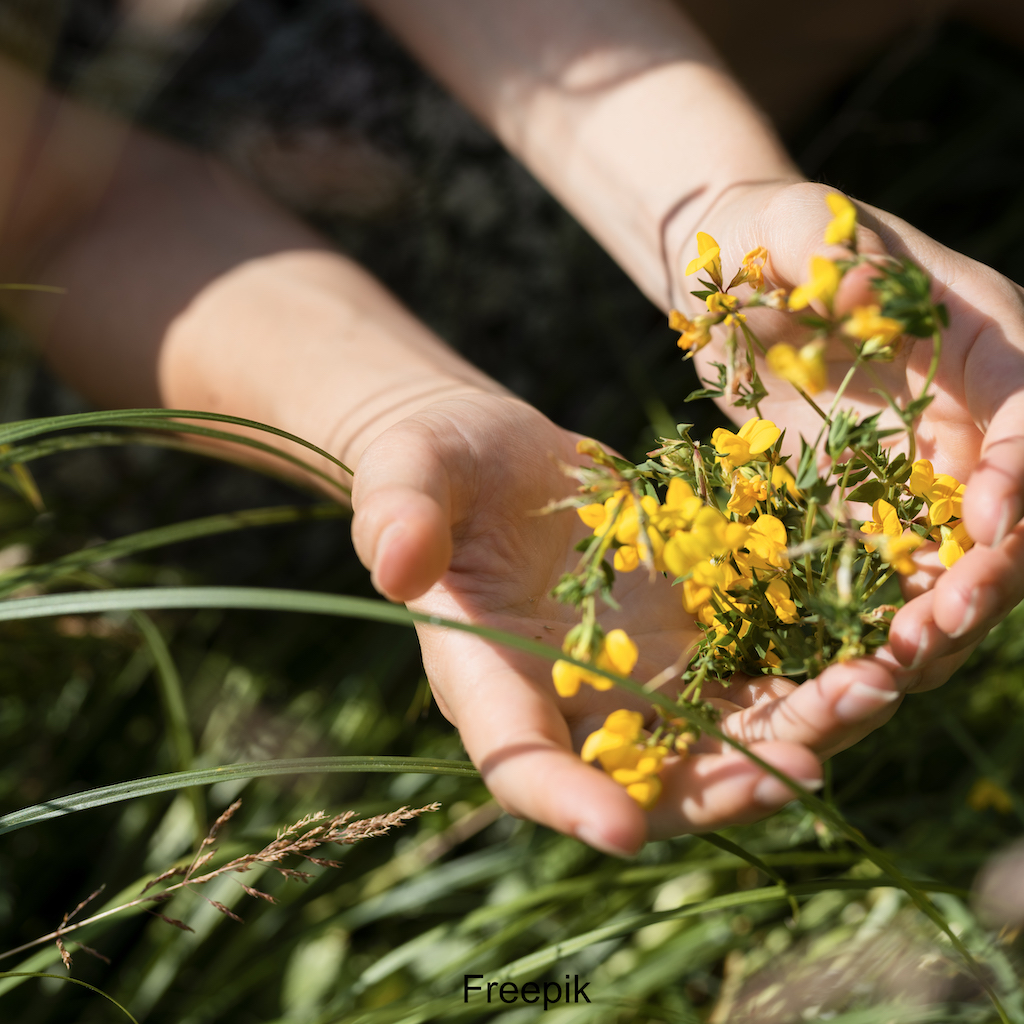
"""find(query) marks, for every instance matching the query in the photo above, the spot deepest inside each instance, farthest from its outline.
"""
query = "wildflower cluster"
(774, 556)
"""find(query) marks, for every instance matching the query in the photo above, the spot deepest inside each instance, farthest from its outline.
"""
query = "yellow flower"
(987, 793)
(626, 559)
(823, 285)
(751, 269)
(617, 654)
(878, 333)
(629, 762)
(898, 551)
(719, 303)
(943, 492)
(780, 599)
(620, 729)
(746, 493)
(709, 258)
(805, 368)
(781, 477)
(680, 508)
(954, 542)
(767, 539)
(755, 437)
(842, 229)
(885, 520)
(711, 536)
(600, 517)
(695, 334)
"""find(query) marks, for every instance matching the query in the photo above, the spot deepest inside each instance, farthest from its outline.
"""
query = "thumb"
(401, 501)
(791, 226)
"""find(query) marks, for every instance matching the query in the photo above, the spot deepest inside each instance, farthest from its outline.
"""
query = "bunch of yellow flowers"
(772, 561)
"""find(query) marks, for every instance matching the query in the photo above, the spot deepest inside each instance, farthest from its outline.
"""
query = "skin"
(187, 288)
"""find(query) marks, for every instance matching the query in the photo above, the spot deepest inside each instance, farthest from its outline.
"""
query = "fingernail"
(386, 538)
(773, 792)
(923, 643)
(971, 614)
(585, 834)
(860, 701)
(1009, 516)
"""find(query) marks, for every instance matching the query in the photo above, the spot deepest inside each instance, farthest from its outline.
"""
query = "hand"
(973, 430)
(443, 518)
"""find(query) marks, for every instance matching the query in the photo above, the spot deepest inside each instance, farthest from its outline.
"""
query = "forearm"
(618, 106)
(188, 289)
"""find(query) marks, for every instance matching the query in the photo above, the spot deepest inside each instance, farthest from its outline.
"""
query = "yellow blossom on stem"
(755, 437)
(943, 492)
(719, 303)
(842, 229)
(709, 258)
(746, 493)
(618, 654)
(781, 477)
(822, 285)
(781, 601)
(878, 333)
(804, 368)
(899, 551)
(767, 539)
(600, 516)
(751, 269)
(630, 763)
(954, 542)
(711, 536)
(885, 520)
(680, 508)
(694, 334)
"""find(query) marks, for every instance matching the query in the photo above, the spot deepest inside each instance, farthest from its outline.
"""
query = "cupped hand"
(445, 518)
(973, 430)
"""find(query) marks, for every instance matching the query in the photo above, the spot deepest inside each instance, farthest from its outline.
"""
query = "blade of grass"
(74, 981)
(120, 791)
(161, 536)
(168, 419)
(172, 699)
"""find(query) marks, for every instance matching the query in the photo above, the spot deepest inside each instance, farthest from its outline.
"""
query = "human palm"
(458, 487)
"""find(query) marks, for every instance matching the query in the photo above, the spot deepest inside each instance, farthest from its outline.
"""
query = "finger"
(837, 707)
(993, 502)
(710, 791)
(967, 600)
(514, 732)
(401, 524)
(793, 225)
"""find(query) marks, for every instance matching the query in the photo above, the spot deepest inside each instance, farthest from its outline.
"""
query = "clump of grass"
(300, 839)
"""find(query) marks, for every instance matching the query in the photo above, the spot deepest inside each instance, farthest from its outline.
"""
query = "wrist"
(309, 342)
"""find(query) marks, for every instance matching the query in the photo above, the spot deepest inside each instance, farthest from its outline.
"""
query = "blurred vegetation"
(473, 245)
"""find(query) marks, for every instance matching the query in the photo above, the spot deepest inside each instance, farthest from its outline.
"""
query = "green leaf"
(807, 467)
(869, 492)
